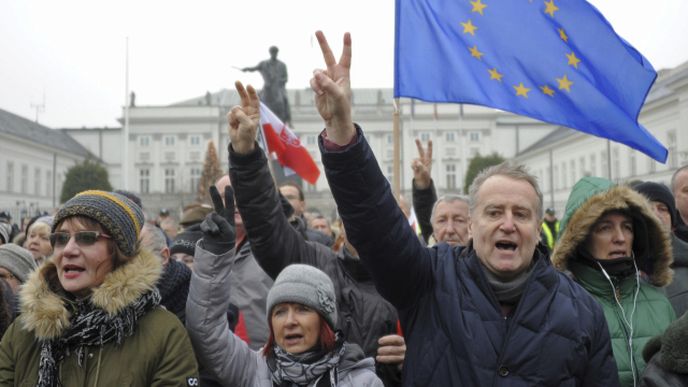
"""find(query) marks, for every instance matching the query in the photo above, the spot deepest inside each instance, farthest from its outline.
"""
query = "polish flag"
(283, 142)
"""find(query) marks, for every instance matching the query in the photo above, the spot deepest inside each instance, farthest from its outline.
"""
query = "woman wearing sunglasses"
(91, 314)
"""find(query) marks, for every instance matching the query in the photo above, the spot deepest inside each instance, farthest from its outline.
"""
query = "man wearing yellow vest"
(550, 229)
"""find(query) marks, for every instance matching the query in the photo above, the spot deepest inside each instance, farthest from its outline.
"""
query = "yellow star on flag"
(546, 90)
(564, 83)
(478, 6)
(521, 90)
(475, 53)
(469, 28)
(494, 74)
(573, 61)
(550, 8)
(563, 35)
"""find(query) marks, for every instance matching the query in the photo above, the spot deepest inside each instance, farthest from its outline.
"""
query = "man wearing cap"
(550, 228)
(662, 202)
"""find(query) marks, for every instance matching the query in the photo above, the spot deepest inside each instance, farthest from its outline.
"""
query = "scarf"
(508, 291)
(305, 368)
(91, 326)
(618, 267)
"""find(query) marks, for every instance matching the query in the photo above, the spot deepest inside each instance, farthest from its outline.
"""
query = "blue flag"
(558, 61)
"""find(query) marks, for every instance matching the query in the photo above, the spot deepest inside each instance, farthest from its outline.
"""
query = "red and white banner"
(282, 142)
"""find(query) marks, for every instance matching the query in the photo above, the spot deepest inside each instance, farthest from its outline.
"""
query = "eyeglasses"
(82, 238)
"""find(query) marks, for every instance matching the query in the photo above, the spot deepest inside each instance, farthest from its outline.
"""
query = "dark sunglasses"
(82, 238)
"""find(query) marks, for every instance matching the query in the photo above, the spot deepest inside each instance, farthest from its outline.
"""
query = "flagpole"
(125, 132)
(396, 172)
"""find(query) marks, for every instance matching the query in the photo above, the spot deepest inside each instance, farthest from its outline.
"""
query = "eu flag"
(558, 61)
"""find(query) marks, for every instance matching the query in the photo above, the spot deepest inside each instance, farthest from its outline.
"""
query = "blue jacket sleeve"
(401, 267)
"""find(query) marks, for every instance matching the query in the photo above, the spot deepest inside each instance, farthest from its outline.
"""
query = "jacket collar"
(45, 304)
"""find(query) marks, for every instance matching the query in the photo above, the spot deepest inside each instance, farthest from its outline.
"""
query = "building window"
(581, 167)
(425, 137)
(59, 182)
(389, 139)
(311, 139)
(144, 140)
(24, 178)
(37, 181)
(390, 173)
(169, 180)
(616, 164)
(633, 163)
(450, 136)
(451, 176)
(10, 176)
(671, 147)
(555, 181)
(168, 140)
(564, 176)
(651, 165)
(195, 179)
(389, 154)
(573, 172)
(195, 140)
(474, 136)
(593, 165)
(144, 181)
(48, 183)
(604, 164)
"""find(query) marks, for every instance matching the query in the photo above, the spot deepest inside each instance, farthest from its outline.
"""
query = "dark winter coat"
(677, 290)
(667, 357)
(650, 312)
(364, 316)
(456, 334)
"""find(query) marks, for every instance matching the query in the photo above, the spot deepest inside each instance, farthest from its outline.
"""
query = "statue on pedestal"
(274, 92)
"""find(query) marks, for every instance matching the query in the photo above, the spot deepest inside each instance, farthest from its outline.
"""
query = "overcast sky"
(73, 51)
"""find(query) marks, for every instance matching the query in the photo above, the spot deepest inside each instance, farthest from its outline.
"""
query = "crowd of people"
(492, 290)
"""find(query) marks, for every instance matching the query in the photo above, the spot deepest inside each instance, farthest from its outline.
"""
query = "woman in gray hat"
(90, 315)
(302, 349)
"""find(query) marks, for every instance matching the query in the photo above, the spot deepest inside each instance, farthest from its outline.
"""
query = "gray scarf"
(305, 368)
(508, 291)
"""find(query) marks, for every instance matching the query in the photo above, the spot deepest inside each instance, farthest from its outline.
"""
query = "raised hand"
(422, 166)
(218, 226)
(333, 91)
(244, 120)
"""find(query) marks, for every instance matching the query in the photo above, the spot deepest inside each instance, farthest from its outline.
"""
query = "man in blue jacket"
(495, 313)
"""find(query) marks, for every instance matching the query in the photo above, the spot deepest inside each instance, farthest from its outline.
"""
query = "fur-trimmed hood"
(44, 303)
(590, 198)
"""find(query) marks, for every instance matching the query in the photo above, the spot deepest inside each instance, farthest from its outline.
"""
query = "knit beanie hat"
(185, 242)
(17, 260)
(656, 192)
(305, 285)
(121, 218)
(45, 219)
(5, 231)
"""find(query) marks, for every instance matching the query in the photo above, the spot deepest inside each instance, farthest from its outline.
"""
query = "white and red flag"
(282, 142)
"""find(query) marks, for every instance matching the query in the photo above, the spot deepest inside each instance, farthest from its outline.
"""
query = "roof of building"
(229, 97)
(660, 89)
(17, 126)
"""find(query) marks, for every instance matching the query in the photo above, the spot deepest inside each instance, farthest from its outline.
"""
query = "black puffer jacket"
(364, 316)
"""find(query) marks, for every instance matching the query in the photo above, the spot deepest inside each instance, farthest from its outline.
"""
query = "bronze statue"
(274, 92)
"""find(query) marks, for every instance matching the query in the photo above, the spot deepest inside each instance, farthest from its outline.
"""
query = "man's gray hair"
(153, 239)
(515, 172)
(448, 198)
(673, 178)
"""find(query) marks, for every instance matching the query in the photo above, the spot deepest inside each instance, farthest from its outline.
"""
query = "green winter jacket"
(159, 353)
(590, 198)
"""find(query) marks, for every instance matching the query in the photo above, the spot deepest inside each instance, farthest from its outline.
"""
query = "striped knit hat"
(121, 218)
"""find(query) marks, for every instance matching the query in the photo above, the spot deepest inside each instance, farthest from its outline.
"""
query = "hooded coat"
(651, 313)
(159, 353)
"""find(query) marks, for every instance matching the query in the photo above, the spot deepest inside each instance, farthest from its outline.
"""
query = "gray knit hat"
(121, 218)
(17, 260)
(306, 285)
